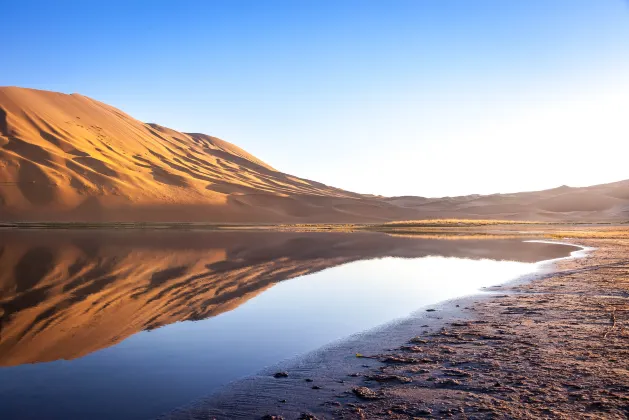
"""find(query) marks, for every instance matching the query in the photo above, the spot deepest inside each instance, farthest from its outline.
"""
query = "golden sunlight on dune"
(71, 158)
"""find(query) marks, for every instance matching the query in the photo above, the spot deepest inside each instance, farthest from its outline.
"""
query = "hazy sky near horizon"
(391, 97)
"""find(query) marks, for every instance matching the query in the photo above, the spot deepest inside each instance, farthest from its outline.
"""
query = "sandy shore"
(552, 347)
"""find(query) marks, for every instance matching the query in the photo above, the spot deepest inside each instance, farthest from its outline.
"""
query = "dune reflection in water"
(111, 303)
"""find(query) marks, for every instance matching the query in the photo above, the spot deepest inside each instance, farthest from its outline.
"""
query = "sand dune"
(71, 158)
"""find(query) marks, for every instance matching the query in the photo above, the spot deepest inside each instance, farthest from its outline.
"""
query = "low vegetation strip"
(460, 222)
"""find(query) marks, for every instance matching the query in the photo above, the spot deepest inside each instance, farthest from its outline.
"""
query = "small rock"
(430, 310)
(447, 382)
(398, 409)
(308, 416)
(389, 378)
(281, 375)
(456, 372)
(399, 359)
(448, 412)
(308, 380)
(365, 393)
(415, 369)
(316, 387)
(414, 349)
(272, 417)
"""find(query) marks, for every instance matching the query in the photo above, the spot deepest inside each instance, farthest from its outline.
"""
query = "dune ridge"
(72, 158)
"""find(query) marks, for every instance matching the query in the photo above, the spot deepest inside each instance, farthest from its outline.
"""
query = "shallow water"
(128, 325)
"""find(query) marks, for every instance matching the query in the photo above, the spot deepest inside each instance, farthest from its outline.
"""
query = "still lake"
(132, 324)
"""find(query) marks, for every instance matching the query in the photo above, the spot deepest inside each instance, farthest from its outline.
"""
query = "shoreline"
(392, 227)
(443, 373)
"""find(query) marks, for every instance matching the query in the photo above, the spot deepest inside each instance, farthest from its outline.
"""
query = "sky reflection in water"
(258, 324)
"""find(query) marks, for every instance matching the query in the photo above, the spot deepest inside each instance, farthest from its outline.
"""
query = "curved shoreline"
(325, 368)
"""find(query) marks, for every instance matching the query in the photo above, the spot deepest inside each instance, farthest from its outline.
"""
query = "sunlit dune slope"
(71, 158)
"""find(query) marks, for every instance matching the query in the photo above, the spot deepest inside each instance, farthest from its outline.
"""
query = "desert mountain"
(605, 202)
(69, 157)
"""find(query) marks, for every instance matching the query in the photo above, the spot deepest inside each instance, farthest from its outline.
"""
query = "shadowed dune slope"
(71, 158)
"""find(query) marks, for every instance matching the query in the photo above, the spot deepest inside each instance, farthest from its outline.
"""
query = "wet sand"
(552, 347)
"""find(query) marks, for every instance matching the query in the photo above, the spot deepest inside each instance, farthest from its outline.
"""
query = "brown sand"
(555, 347)
(71, 158)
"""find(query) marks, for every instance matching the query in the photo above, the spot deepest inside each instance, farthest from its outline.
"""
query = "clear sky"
(391, 97)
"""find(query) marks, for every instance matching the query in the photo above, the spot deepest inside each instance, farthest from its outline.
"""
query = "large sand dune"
(71, 158)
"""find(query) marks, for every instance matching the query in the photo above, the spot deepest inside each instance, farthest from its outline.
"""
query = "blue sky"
(391, 97)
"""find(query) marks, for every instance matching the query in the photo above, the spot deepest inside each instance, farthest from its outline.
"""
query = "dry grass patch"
(458, 223)
(590, 234)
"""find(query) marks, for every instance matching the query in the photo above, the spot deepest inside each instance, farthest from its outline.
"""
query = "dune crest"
(71, 158)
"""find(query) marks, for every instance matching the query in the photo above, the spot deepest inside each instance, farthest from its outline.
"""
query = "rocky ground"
(552, 348)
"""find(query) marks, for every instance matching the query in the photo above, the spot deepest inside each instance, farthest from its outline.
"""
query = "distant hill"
(71, 158)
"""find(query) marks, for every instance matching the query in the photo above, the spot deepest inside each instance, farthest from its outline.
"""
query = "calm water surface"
(128, 325)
